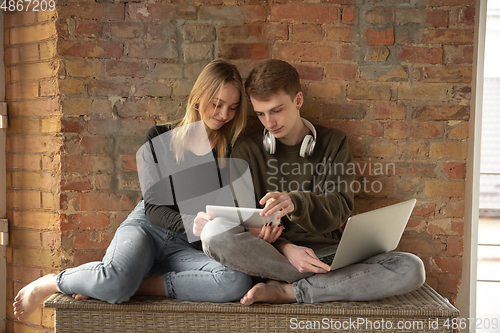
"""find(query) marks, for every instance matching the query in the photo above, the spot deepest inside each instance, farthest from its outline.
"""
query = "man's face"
(279, 113)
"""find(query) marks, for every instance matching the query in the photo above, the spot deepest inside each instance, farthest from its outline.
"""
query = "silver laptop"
(368, 234)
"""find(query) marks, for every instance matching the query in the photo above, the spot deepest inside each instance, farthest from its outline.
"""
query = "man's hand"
(201, 219)
(268, 233)
(276, 202)
(304, 259)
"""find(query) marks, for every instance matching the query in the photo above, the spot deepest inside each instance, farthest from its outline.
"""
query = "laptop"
(368, 234)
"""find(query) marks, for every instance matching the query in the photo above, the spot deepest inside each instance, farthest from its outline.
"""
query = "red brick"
(307, 33)
(396, 130)
(127, 30)
(86, 164)
(128, 162)
(93, 11)
(276, 31)
(124, 127)
(374, 129)
(389, 110)
(68, 48)
(454, 246)
(104, 202)
(455, 170)
(162, 30)
(462, 74)
(342, 34)
(437, 188)
(367, 91)
(347, 72)
(426, 209)
(76, 183)
(446, 265)
(86, 221)
(155, 50)
(422, 246)
(72, 125)
(244, 13)
(85, 240)
(349, 52)
(100, 88)
(462, 17)
(244, 51)
(380, 15)
(309, 72)
(299, 52)
(83, 257)
(96, 145)
(350, 15)
(379, 36)
(426, 18)
(458, 54)
(247, 32)
(448, 112)
(424, 55)
(426, 129)
(445, 36)
(304, 13)
(86, 29)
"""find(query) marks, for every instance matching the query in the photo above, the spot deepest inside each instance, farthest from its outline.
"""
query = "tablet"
(249, 217)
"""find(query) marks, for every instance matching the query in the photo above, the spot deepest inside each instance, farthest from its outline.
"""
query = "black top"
(177, 191)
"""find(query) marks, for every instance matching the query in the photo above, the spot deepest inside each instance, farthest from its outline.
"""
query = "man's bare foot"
(269, 292)
(80, 297)
(29, 297)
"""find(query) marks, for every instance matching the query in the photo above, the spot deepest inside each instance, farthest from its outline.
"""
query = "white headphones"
(308, 143)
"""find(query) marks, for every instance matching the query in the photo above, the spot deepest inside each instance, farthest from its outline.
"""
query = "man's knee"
(217, 237)
(409, 267)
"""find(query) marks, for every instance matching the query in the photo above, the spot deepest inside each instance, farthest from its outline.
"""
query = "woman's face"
(222, 108)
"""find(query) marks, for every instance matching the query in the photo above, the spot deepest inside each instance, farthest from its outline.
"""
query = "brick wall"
(86, 82)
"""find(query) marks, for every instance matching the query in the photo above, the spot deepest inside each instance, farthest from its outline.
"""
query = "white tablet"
(249, 217)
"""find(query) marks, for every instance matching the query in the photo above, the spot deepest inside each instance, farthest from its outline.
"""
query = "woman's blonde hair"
(208, 85)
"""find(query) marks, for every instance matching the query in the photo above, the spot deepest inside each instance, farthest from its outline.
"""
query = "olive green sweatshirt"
(319, 185)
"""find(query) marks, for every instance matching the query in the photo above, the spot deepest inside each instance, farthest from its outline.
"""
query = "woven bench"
(423, 310)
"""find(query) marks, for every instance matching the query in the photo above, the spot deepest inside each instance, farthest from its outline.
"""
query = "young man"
(300, 174)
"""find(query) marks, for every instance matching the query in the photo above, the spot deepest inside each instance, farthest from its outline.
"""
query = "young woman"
(150, 253)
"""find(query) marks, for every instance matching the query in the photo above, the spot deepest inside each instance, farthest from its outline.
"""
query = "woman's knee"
(217, 237)
(233, 285)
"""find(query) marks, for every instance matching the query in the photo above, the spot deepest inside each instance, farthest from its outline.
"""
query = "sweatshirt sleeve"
(327, 210)
(157, 194)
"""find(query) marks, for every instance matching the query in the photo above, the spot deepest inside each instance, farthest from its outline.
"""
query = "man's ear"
(299, 97)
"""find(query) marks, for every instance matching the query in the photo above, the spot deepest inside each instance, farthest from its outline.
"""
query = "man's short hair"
(271, 76)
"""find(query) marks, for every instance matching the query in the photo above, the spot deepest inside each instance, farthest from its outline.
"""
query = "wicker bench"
(423, 310)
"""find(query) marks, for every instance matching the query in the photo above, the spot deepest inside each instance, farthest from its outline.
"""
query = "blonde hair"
(210, 82)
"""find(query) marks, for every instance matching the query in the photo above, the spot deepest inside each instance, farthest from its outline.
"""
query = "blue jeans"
(384, 275)
(140, 249)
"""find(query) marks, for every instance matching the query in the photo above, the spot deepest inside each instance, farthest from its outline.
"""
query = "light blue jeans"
(384, 275)
(140, 249)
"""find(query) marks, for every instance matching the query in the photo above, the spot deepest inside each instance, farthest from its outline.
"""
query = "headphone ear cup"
(307, 146)
(269, 142)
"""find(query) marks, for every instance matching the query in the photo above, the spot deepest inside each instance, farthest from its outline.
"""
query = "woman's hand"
(201, 219)
(268, 233)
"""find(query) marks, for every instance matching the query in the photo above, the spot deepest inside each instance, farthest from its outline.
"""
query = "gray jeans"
(384, 275)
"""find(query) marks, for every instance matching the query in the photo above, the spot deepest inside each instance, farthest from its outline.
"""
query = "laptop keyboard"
(327, 259)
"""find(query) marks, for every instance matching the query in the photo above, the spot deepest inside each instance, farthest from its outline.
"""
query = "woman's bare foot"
(29, 297)
(269, 292)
